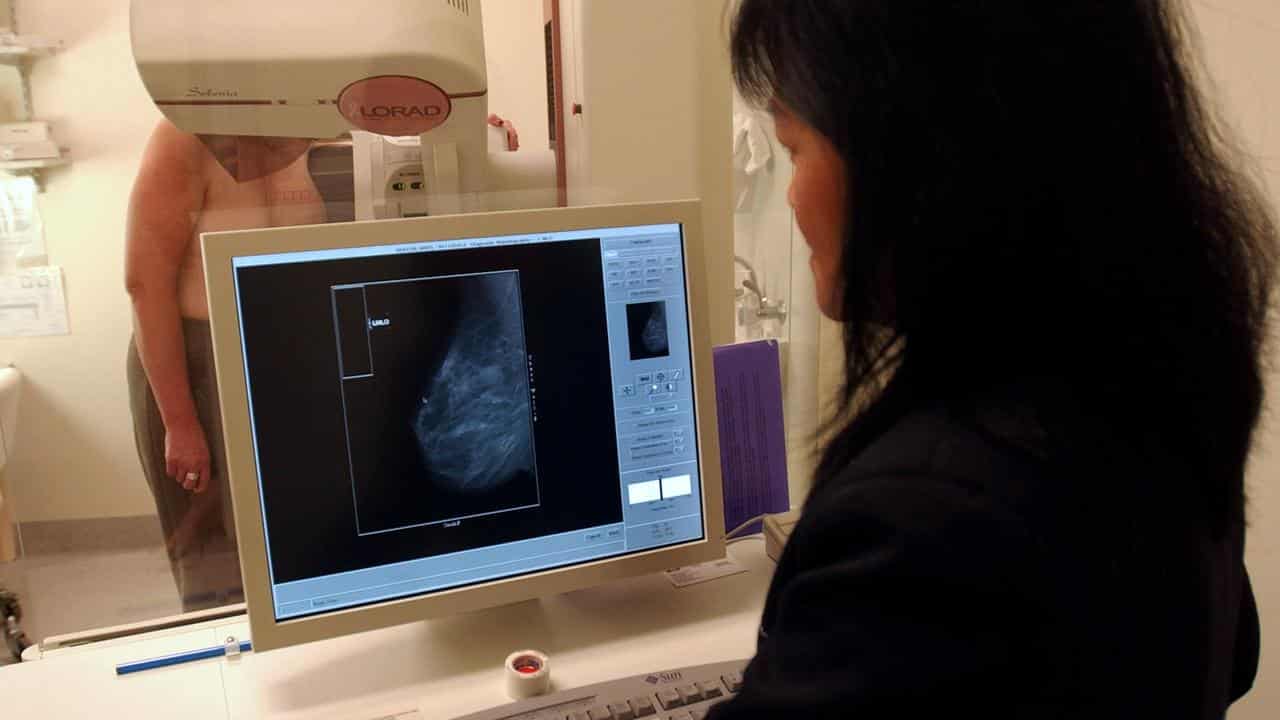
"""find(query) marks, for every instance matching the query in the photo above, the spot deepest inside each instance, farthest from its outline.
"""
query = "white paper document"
(32, 303)
(21, 228)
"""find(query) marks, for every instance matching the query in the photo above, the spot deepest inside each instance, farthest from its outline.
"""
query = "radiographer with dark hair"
(1053, 276)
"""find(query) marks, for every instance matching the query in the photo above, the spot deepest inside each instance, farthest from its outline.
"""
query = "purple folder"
(753, 444)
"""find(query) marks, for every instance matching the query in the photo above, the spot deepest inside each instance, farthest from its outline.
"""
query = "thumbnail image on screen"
(647, 328)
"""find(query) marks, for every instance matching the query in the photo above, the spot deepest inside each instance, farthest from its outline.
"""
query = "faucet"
(769, 309)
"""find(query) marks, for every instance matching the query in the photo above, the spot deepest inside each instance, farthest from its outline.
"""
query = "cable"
(753, 536)
(745, 525)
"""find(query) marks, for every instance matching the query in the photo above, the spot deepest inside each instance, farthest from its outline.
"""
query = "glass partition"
(127, 129)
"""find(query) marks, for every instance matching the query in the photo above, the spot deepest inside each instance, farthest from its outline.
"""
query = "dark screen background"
(294, 385)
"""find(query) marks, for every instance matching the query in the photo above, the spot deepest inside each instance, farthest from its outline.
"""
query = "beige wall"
(75, 455)
(517, 90)
(1241, 43)
(651, 129)
(620, 149)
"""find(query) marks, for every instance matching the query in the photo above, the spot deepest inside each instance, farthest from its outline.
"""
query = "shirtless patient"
(188, 185)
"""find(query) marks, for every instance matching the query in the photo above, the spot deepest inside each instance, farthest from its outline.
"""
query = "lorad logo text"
(401, 111)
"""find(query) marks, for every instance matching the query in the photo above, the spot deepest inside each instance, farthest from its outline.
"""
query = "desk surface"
(443, 667)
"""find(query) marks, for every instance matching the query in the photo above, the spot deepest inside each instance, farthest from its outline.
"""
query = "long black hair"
(1037, 190)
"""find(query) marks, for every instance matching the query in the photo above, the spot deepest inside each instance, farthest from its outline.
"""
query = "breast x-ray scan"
(647, 329)
(440, 418)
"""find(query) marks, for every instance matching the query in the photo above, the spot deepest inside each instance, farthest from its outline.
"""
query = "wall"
(713, 120)
(1241, 43)
(75, 455)
(652, 130)
(517, 90)
(640, 109)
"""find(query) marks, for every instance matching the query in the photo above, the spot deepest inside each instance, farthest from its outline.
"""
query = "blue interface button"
(671, 387)
(677, 374)
(667, 408)
(615, 285)
(615, 533)
(594, 536)
(653, 273)
(660, 376)
(651, 261)
(655, 389)
(634, 274)
(627, 391)
(653, 282)
(634, 263)
(644, 378)
(614, 275)
(635, 283)
(670, 259)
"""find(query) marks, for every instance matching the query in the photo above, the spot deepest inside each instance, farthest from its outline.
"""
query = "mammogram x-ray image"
(472, 421)
(647, 328)
(441, 429)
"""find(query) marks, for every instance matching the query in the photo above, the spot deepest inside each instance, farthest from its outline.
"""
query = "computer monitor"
(441, 414)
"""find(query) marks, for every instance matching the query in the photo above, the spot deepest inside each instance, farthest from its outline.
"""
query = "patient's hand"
(513, 137)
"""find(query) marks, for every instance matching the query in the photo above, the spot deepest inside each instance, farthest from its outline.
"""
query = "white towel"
(751, 154)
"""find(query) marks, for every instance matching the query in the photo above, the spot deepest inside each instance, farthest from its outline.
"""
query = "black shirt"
(946, 574)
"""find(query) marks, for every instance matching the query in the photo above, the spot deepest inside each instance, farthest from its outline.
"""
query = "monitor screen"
(434, 415)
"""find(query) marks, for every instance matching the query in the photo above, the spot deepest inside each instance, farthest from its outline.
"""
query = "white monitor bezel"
(221, 247)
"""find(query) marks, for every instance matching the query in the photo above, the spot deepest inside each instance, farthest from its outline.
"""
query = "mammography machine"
(406, 80)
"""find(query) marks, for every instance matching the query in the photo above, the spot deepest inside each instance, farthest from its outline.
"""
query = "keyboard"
(680, 694)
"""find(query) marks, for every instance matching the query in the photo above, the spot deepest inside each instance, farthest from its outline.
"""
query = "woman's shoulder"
(937, 476)
(922, 513)
(991, 454)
